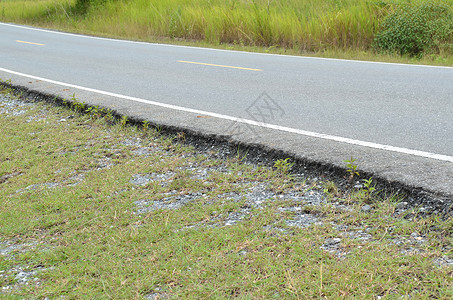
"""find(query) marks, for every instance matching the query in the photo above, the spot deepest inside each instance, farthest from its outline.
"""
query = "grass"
(70, 218)
(341, 28)
(308, 24)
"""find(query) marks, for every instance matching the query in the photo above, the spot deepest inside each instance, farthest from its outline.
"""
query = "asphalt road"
(400, 109)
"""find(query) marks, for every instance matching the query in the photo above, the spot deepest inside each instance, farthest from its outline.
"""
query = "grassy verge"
(340, 29)
(94, 208)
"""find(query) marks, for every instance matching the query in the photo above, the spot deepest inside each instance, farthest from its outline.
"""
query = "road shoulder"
(426, 181)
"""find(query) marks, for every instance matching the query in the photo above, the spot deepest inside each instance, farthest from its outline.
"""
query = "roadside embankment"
(91, 206)
(424, 181)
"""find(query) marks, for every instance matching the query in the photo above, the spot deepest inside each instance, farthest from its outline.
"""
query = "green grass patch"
(91, 208)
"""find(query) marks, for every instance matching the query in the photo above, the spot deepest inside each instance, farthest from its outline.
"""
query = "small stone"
(401, 205)
(332, 241)
(155, 296)
(366, 208)
(140, 180)
(443, 261)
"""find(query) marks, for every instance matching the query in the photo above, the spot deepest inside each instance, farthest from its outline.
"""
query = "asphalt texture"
(392, 106)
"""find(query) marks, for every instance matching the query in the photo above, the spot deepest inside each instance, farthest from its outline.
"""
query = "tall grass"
(308, 25)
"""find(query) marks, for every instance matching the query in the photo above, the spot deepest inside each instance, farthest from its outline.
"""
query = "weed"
(109, 118)
(351, 169)
(145, 125)
(19, 94)
(283, 165)
(7, 87)
(159, 129)
(370, 188)
(93, 111)
(331, 189)
(181, 136)
(77, 105)
(123, 121)
(239, 155)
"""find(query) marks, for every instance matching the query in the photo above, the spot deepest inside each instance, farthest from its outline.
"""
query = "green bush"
(82, 6)
(417, 29)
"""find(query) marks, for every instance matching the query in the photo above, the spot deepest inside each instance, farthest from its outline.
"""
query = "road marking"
(250, 122)
(222, 50)
(24, 42)
(214, 65)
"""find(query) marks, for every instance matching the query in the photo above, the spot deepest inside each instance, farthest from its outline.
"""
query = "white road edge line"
(250, 122)
(220, 50)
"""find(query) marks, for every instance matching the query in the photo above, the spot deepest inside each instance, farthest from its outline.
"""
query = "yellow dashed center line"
(23, 42)
(222, 66)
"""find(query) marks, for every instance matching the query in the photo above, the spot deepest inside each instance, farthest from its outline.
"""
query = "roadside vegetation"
(390, 30)
(93, 207)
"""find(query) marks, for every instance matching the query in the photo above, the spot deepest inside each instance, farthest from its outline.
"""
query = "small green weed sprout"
(77, 105)
(108, 116)
(331, 189)
(370, 188)
(351, 169)
(283, 165)
(89, 110)
(145, 125)
(240, 156)
(124, 120)
(7, 88)
(74, 98)
(93, 111)
(181, 136)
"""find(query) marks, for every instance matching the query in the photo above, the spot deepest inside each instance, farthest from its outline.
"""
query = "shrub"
(82, 6)
(416, 29)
